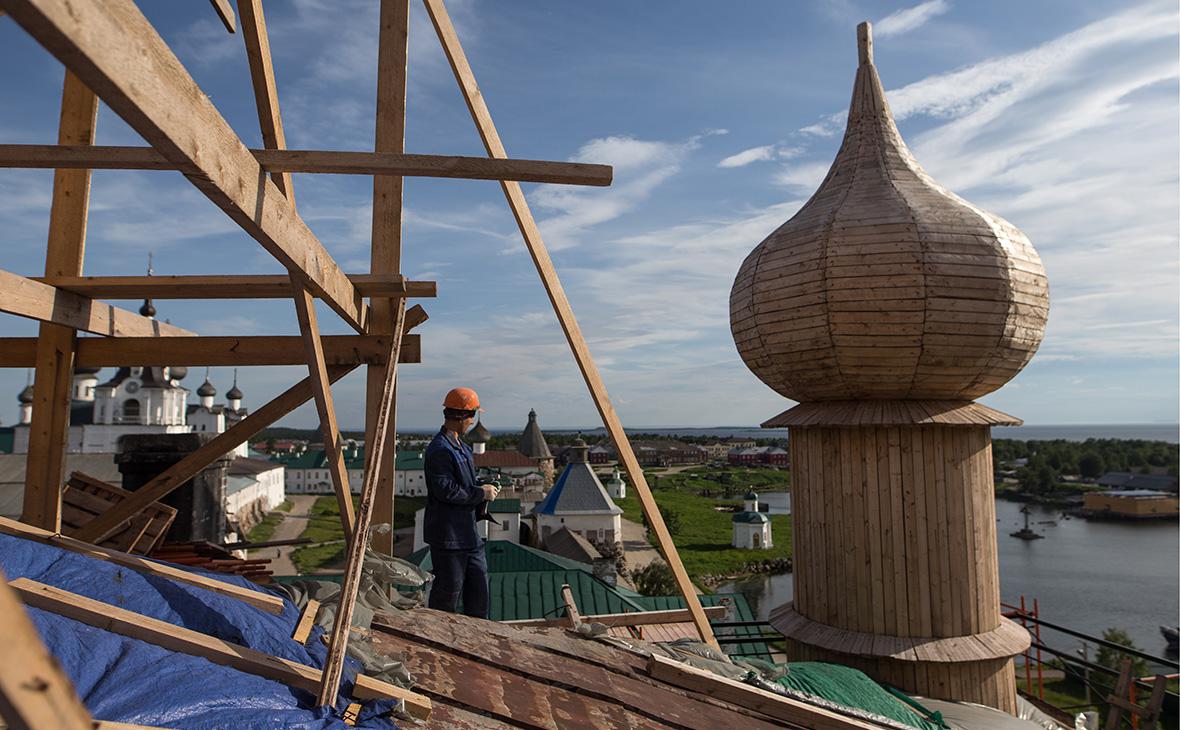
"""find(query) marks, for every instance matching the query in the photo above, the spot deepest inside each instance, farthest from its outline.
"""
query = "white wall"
(604, 528)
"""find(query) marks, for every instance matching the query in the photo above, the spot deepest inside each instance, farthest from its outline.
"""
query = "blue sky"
(1062, 117)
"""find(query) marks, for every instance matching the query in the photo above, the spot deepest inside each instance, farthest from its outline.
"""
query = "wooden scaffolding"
(112, 53)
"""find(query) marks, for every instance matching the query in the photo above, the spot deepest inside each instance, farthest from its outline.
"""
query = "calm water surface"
(1085, 575)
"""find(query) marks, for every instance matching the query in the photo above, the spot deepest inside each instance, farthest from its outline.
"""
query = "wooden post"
(565, 315)
(329, 430)
(266, 95)
(55, 343)
(572, 617)
(334, 665)
(34, 692)
(386, 254)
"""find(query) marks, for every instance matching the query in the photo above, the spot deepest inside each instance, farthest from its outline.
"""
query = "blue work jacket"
(452, 495)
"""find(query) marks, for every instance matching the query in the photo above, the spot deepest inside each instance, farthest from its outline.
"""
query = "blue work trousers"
(459, 573)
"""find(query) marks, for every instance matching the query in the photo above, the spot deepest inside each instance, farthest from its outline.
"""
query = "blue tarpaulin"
(127, 680)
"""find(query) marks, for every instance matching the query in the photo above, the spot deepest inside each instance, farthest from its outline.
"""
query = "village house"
(579, 502)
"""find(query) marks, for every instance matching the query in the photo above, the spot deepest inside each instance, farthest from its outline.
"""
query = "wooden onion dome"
(886, 284)
(885, 305)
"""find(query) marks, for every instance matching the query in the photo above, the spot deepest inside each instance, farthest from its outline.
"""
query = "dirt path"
(639, 550)
(292, 526)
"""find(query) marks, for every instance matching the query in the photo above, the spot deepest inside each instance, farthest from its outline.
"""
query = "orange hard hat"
(462, 399)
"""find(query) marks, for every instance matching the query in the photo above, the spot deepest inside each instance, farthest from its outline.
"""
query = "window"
(131, 411)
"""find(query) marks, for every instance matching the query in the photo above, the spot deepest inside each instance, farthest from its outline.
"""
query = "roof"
(571, 545)
(532, 441)
(7, 436)
(751, 495)
(12, 477)
(1138, 481)
(1136, 493)
(206, 390)
(751, 518)
(577, 490)
(504, 506)
(314, 459)
(504, 556)
(504, 460)
(537, 594)
(151, 377)
(246, 466)
(480, 434)
(488, 675)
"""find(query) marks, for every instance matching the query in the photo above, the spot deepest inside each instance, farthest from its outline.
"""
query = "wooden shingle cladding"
(886, 284)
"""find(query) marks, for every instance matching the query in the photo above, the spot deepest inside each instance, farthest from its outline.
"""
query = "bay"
(1169, 432)
(1085, 575)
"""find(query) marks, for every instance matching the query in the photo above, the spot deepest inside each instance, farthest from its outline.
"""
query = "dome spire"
(148, 309)
(864, 43)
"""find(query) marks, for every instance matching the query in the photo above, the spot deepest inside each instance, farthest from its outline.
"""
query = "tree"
(1091, 465)
(1113, 658)
(655, 579)
(671, 520)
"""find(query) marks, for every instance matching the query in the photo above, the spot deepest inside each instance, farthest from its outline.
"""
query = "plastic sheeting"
(127, 680)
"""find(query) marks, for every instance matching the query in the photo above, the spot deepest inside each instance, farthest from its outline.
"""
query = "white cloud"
(760, 154)
(903, 21)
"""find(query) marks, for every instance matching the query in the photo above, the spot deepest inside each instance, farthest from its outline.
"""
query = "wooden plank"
(785, 709)
(565, 315)
(386, 252)
(186, 641)
(176, 475)
(306, 621)
(30, 298)
(234, 286)
(572, 617)
(214, 351)
(260, 600)
(635, 618)
(359, 541)
(320, 161)
(321, 389)
(266, 95)
(112, 48)
(34, 691)
(225, 13)
(55, 344)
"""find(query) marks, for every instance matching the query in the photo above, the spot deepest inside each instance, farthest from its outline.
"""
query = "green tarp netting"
(851, 688)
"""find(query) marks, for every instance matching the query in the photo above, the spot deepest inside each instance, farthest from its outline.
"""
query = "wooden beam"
(34, 691)
(322, 162)
(386, 247)
(317, 368)
(186, 641)
(572, 617)
(180, 472)
(785, 709)
(112, 47)
(20, 352)
(225, 13)
(258, 599)
(565, 315)
(306, 621)
(30, 298)
(233, 286)
(54, 379)
(635, 618)
(266, 95)
(359, 543)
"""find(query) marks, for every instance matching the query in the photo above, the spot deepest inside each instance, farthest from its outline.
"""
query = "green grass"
(285, 506)
(719, 482)
(323, 526)
(266, 528)
(705, 537)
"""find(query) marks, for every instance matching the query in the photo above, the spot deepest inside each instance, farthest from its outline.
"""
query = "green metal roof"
(504, 556)
(537, 594)
(7, 436)
(751, 517)
(504, 506)
(406, 460)
(741, 612)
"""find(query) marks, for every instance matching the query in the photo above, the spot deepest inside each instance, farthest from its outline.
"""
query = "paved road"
(292, 526)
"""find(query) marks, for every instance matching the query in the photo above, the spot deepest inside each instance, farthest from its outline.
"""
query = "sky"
(1061, 116)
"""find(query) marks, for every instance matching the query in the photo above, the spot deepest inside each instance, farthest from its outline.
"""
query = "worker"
(454, 498)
